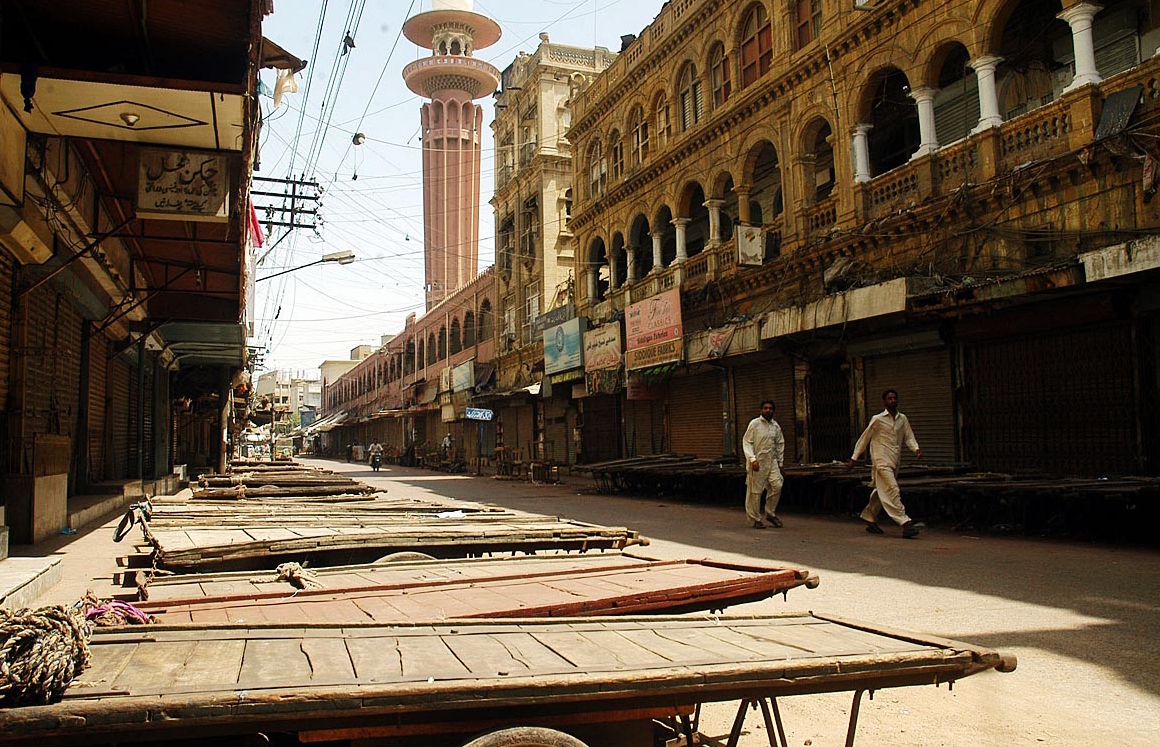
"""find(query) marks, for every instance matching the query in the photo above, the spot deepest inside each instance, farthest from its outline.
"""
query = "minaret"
(452, 136)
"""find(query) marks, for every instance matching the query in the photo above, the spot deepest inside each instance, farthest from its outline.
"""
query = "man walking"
(885, 435)
(764, 447)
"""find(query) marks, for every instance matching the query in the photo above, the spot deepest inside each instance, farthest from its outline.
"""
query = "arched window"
(442, 343)
(486, 323)
(468, 329)
(807, 21)
(456, 339)
(719, 75)
(422, 355)
(689, 91)
(756, 45)
(639, 136)
(432, 354)
(616, 154)
(597, 170)
(664, 125)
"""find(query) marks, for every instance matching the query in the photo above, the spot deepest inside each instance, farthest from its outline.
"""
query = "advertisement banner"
(602, 348)
(183, 185)
(654, 355)
(654, 320)
(563, 349)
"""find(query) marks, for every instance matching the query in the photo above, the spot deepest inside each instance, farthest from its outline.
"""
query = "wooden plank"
(274, 662)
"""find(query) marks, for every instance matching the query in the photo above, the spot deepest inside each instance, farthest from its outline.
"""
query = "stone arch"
(816, 149)
(886, 105)
(639, 236)
(662, 224)
(618, 261)
(956, 102)
(691, 206)
(598, 270)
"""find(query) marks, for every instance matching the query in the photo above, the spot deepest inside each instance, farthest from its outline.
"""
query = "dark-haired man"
(764, 448)
(885, 435)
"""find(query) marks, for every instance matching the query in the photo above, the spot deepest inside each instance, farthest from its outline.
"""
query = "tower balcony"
(430, 75)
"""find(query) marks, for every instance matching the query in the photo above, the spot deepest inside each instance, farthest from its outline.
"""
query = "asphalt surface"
(1081, 618)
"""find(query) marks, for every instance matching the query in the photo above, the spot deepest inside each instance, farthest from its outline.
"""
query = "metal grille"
(923, 381)
(1062, 403)
(695, 415)
(755, 382)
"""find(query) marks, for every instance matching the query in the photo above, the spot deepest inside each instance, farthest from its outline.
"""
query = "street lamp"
(344, 257)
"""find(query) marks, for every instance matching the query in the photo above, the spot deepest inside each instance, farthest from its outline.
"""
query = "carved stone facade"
(922, 193)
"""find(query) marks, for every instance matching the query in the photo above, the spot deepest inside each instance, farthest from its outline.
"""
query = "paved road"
(1081, 618)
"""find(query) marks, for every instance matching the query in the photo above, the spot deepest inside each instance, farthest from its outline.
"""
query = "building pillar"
(861, 145)
(989, 115)
(613, 279)
(1079, 17)
(682, 250)
(743, 203)
(593, 276)
(630, 263)
(714, 206)
(658, 260)
(928, 138)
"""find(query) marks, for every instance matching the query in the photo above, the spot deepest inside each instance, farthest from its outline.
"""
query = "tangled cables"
(41, 651)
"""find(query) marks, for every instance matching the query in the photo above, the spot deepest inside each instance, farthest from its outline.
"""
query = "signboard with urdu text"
(183, 185)
(603, 348)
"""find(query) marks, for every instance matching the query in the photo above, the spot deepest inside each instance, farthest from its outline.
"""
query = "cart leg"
(854, 717)
(769, 725)
(738, 722)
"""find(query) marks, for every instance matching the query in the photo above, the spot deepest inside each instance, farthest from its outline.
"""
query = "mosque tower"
(452, 78)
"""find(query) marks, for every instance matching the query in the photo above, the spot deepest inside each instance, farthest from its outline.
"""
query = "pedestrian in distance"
(764, 449)
(885, 435)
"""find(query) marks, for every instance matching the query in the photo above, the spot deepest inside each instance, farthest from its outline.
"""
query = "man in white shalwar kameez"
(764, 447)
(885, 435)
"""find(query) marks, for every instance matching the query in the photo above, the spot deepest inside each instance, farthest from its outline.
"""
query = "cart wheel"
(402, 557)
(526, 736)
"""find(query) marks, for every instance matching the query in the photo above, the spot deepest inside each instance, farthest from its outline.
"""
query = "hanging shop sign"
(555, 316)
(463, 377)
(654, 320)
(603, 348)
(671, 351)
(563, 349)
(183, 185)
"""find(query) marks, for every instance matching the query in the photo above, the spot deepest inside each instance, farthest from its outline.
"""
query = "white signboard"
(478, 413)
(183, 185)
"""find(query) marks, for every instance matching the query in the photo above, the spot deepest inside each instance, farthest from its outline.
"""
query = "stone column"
(1079, 17)
(613, 280)
(630, 254)
(593, 277)
(989, 115)
(862, 152)
(714, 206)
(928, 138)
(742, 192)
(658, 261)
(682, 250)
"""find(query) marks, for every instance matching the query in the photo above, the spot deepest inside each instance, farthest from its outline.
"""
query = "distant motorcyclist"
(376, 455)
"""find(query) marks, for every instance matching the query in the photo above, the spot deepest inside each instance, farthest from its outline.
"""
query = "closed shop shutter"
(556, 429)
(644, 427)
(161, 422)
(149, 440)
(600, 429)
(829, 417)
(696, 425)
(1061, 402)
(51, 359)
(118, 420)
(6, 272)
(753, 382)
(925, 395)
(518, 419)
(98, 408)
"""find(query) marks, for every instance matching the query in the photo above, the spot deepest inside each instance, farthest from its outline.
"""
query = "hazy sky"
(321, 312)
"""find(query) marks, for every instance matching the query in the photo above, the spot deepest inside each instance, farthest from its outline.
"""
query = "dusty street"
(1080, 618)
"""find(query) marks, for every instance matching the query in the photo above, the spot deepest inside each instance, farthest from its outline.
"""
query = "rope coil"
(41, 651)
(297, 576)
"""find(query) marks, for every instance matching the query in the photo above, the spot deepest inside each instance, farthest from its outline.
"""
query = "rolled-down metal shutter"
(696, 408)
(754, 382)
(925, 395)
(1060, 402)
(644, 427)
(98, 408)
(118, 419)
(6, 273)
(601, 428)
(556, 429)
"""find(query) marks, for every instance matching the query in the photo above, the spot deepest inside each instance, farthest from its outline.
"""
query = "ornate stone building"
(534, 248)
(953, 199)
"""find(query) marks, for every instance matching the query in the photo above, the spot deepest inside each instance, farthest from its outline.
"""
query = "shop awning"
(324, 425)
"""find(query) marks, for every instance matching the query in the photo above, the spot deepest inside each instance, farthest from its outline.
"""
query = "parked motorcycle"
(376, 461)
